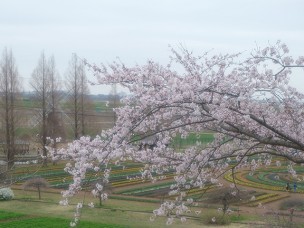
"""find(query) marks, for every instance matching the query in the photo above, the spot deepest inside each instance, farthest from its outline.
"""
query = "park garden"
(219, 142)
(36, 204)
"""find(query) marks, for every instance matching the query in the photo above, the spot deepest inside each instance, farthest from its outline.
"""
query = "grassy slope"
(115, 212)
(52, 223)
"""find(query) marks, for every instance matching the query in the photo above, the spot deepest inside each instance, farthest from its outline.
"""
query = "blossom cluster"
(248, 104)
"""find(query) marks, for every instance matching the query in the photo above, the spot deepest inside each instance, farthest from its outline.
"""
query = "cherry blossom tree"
(246, 101)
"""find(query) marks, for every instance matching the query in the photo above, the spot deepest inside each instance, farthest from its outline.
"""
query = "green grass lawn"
(192, 139)
(4, 215)
(27, 211)
(13, 220)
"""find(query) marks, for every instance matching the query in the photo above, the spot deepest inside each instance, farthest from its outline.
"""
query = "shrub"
(216, 218)
(297, 204)
(37, 183)
(6, 194)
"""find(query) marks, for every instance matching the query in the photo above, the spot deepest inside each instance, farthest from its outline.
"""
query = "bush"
(6, 194)
(216, 219)
(37, 183)
(297, 204)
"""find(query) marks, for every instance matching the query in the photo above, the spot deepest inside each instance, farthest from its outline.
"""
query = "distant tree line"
(47, 95)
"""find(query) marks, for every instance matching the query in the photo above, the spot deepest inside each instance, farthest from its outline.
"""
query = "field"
(11, 220)
(132, 200)
(98, 116)
(25, 209)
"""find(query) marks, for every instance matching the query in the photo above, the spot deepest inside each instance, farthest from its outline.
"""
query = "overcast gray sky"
(137, 30)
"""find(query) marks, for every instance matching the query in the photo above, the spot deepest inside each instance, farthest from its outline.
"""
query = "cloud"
(101, 30)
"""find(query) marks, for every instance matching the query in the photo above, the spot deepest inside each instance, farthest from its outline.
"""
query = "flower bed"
(267, 200)
(145, 189)
(253, 182)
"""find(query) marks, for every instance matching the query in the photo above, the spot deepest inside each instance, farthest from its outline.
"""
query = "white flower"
(79, 205)
(214, 181)
(183, 219)
(173, 192)
(229, 211)
(183, 194)
(213, 219)
(220, 185)
(104, 196)
(91, 205)
(169, 221)
(6, 194)
(284, 48)
(64, 202)
(190, 200)
(99, 187)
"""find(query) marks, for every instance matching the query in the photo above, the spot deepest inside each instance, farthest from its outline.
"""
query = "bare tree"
(113, 101)
(40, 84)
(55, 125)
(9, 87)
(78, 90)
(45, 82)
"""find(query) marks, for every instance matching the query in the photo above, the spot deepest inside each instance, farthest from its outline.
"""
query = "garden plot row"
(241, 180)
(24, 170)
(58, 178)
(121, 176)
(262, 199)
(161, 189)
(260, 180)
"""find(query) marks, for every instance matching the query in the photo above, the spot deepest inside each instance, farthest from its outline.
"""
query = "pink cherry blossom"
(245, 100)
